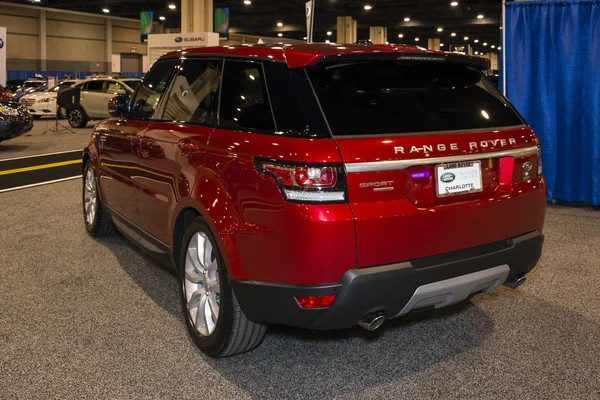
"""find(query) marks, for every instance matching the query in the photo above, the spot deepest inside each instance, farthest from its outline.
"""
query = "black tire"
(234, 333)
(100, 225)
(77, 118)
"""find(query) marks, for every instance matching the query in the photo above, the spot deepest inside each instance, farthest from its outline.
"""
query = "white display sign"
(116, 63)
(458, 178)
(2, 56)
(309, 8)
(158, 44)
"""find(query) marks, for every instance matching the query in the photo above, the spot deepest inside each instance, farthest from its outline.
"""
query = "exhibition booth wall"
(553, 79)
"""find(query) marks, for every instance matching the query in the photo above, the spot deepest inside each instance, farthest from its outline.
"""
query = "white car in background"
(96, 92)
(42, 104)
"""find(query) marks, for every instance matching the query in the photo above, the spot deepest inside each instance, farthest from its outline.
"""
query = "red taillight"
(112, 105)
(507, 167)
(308, 183)
(315, 301)
(304, 177)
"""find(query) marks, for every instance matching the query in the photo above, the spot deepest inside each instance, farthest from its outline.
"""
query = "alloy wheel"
(90, 198)
(201, 284)
(75, 117)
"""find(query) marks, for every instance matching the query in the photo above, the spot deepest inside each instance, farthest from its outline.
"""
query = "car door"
(91, 96)
(119, 145)
(172, 150)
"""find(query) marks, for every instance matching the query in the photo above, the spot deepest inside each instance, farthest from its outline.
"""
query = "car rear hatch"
(436, 158)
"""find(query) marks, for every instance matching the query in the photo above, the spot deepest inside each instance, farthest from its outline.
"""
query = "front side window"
(388, 97)
(244, 101)
(145, 100)
(115, 88)
(193, 94)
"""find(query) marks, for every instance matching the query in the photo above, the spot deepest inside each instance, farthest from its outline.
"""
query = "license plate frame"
(477, 182)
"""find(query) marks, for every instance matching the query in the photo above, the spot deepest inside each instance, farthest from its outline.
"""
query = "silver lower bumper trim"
(443, 293)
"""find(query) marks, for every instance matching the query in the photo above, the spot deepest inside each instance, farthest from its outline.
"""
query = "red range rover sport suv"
(318, 186)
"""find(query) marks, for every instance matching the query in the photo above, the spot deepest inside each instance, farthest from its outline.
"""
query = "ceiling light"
(453, 34)
(304, 38)
(280, 24)
(476, 41)
(329, 33)
(280, 34)
(485, 44)
(106, 10)
(480, 16)
(406, 19)
(172, 6)
(466, 38)
(247, 2)
(493, 46)
(454, 3)
(441, 44)
(368, 7)
(440, 29)
(161, 18)
(417, 39)
(327, 41)
(400, 35)
(476, 52)
(499, 48)
(37, 1)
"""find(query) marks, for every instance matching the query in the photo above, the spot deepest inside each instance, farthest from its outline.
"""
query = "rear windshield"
(386, 97)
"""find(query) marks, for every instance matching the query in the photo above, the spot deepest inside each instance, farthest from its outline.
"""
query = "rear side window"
(146, 98)
(387, 97)
(295, 110)
(94, 86)
(244, 101)
(193, 94)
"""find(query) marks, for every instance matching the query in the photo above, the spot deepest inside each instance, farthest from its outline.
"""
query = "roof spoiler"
(477, 62)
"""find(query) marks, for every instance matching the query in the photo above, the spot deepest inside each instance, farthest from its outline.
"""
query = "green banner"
(146, 26)
(222, 22)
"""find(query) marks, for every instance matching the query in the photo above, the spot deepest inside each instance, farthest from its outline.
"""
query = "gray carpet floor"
(83, 318)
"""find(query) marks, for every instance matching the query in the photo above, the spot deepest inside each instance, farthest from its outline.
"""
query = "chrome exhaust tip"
(516, 283)
(372, 322)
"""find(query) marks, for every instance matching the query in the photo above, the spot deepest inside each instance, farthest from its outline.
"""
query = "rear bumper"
(395, 289)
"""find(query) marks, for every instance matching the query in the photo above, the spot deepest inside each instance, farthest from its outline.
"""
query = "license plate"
(458, 178)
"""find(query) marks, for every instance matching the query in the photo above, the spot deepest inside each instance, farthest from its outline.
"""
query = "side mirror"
(118, 106)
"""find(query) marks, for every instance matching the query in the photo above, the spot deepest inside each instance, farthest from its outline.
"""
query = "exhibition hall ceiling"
(405, 20)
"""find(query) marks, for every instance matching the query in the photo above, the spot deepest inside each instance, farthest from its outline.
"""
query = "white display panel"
(158, 44)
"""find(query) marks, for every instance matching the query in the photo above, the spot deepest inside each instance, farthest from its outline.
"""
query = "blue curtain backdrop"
(553, 79)
(12, 74)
